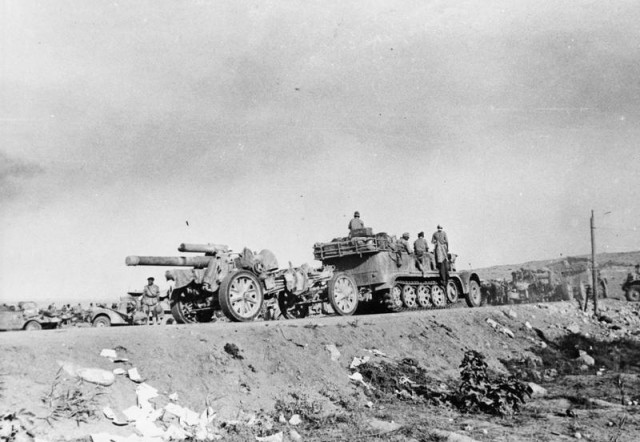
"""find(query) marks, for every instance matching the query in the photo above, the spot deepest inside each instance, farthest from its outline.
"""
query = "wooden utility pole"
(594, 275)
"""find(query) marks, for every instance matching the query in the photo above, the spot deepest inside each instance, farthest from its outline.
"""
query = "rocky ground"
(377, 377)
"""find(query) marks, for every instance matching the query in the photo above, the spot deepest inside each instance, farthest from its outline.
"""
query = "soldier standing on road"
(355, 224)
(150, 296)
(441, 244)
(420, 249)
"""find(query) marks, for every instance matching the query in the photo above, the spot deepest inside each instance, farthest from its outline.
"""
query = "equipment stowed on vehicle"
(236, 283)
(372, 268)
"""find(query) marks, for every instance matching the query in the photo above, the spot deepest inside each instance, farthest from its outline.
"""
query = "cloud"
(14, 171)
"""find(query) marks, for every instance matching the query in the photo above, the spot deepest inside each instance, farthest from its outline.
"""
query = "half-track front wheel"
(241, 296)
(452, 292)
(474, 297)
(409, 296)
(343, 294)
(438, 297)
(423, 293)
(393, 298)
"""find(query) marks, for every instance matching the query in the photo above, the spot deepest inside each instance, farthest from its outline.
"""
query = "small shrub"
(478, 391)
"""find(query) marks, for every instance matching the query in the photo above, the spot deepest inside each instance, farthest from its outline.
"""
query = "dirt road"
(250, 373)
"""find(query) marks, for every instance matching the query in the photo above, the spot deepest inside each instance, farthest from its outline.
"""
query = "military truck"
(374, 270)
(236, 283)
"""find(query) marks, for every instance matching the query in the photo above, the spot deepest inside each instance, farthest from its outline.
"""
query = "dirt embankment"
(250, 374)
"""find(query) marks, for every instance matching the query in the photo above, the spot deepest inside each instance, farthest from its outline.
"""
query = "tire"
(438, 297)
(474, 297)
(409, 296)
(393, 298)
(423, 295)
(453, 294)
(101, 321)
(241, 296)
(32, 326)
(633, 293)
(343, 294)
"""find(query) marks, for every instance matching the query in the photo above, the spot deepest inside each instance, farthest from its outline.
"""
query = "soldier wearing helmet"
(355, 224)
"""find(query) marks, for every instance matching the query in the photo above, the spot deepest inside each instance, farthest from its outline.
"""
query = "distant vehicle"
(25, 316)
(631, 288)
(125, 314)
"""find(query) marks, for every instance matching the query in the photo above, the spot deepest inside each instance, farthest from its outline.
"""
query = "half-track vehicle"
(631, 288)
(373, 270)
(238, 284)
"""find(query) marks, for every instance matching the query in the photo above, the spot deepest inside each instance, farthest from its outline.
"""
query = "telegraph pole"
(594, 276)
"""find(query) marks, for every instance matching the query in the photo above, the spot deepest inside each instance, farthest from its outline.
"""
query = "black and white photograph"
(287, 221)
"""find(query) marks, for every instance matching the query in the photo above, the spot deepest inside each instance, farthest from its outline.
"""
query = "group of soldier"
(424, 258)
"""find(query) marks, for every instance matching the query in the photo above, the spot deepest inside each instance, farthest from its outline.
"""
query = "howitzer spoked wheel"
(241, 296)
(393, 298)
(409, 296)
(452, 292)
(343, 294)
(189, 308)
(438, 296)
(423, 296)
(474, 297)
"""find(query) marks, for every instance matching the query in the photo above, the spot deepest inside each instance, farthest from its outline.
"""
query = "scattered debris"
(108, 353)
(295, 420)
(277, 437)
(358, 362)
(134, 375)
(335, 353)
(383, 427)
(233, 350)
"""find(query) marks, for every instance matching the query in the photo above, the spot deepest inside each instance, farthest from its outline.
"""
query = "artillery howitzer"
(236, 283)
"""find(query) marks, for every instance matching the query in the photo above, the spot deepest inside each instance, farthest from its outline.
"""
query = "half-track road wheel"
(393, 298)
(409, 296)
(423, 293)
(32, 325)
(241, 296)
(474, 297)
(343, 294)
(438, 297)
(102, 321)
(453, 294)
(633, 293)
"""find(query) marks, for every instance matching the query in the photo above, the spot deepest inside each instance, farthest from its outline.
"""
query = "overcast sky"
(266, 124)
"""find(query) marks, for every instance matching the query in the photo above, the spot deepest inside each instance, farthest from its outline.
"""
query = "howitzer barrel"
(202, 248)
(198, 262)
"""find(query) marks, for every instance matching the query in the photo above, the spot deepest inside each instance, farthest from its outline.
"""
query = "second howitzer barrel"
(198, 262)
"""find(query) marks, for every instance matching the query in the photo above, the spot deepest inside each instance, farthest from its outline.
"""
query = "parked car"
(25, 316)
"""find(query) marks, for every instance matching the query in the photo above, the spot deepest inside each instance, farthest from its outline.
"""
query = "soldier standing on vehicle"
(420, 249)
(355, 224)
(150, 296)
(637, 275)
(441, 244)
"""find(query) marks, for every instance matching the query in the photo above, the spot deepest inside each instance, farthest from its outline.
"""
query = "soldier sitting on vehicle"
(355, 224)
(404, 243)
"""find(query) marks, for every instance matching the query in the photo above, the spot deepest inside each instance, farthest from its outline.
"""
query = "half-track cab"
(373, 269)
